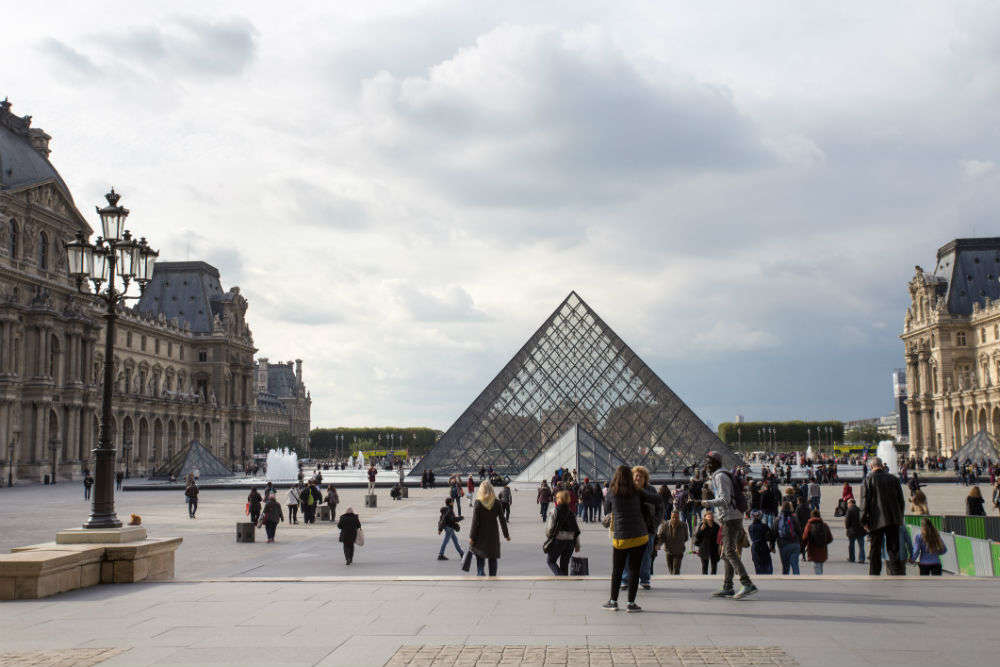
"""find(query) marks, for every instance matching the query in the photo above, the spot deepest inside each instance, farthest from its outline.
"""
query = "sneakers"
(442, 557)
(745, 592)
(645, 586)
(724, 593)
(633, 608)
(610, 605)
(624, 587)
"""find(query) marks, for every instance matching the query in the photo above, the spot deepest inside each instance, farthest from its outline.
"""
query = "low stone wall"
(41, 570)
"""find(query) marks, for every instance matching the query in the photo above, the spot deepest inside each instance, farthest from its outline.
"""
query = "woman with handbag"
(484, 534)
(350, 532)
(449, 525)
(562, 534)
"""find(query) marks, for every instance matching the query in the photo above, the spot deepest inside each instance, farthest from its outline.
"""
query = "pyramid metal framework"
(194, 456)
(573, 450)
(574, 370)
(979, 448)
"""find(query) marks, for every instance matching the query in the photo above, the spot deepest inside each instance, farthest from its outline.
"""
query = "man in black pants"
(882, 507)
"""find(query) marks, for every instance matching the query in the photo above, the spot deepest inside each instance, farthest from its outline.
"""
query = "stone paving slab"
(586, 656)
(77, 657)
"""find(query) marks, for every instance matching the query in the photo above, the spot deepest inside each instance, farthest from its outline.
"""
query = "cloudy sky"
(405, 190)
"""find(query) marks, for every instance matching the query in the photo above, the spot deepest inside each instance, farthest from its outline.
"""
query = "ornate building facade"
(183, 355)
(283, 403)
(951, 336)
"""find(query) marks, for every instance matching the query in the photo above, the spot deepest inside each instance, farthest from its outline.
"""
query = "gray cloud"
(532, 117)
(452, 305)
(316, 205)
(68, 60)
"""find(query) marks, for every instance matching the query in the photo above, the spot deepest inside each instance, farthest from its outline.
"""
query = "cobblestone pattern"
(73, 657)
(591, 656)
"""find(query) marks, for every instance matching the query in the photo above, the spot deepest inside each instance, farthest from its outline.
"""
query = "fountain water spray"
(282, 466)
(887, 452)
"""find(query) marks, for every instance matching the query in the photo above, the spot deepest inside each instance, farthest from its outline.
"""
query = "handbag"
(608, 520)
(579, 567)
(360, 539)
(467, 560)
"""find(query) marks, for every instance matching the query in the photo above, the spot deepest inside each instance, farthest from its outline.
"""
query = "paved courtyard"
(295, 603)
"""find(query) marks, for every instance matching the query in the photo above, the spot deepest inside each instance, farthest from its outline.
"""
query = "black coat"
(882, 501)
(272, 512)
(852, 522)
(706, 538)
(627, 513)
(349, 525)
(484, 536)
(770, 500)
(255, 501)
(974, 506)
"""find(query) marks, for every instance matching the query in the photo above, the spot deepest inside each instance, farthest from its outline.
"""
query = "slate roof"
(970, 269)
(20, 164)
(281, 380)
(190, 291)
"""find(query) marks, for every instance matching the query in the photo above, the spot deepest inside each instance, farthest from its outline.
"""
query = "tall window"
(43, 251)
(960, 339)
(13, 239)
(982, 335)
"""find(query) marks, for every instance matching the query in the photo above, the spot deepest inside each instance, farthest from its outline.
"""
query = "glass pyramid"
(574, 370)
(191, 458)
(574, 450)
(980, 448)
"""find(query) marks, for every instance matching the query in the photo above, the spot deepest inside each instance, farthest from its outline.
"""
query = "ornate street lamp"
(11, 446)
(115, 259)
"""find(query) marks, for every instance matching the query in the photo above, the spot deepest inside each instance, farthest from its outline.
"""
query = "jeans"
(293, 514)
(562, 551)
(769, 520)
(458, 505)
(760, 552)
(814, 503)
(545, 511)
(619, 557)
(860, 540)
(818, 568)
(790, 558)
(481, 562)
(449, 534)
(694, 518)
(732, 529)
(192, 506)
(645, 568)
(86, 492)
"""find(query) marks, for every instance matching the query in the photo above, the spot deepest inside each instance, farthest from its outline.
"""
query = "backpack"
(739, 495)
(786, 528)
(817, 535)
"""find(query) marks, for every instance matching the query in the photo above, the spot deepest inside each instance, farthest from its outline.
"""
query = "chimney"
(298, 370)
(39, 141)
(262, 375)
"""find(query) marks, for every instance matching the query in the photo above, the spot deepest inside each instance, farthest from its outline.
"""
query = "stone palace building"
(184, 354)
(952, 341)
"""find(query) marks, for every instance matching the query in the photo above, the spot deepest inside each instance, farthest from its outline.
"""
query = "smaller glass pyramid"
(573, 450)
(193, 457)
(980, 448)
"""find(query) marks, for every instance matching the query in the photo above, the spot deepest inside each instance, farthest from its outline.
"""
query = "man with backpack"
(729, 503)
(789, 532)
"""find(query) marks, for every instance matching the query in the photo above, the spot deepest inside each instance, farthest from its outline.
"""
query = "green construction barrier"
(965, 557)
(975, 526)
(915, 519)
(995, 551)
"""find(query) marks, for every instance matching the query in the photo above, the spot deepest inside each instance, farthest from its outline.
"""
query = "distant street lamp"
(11, 446)
(53, 450)
(113, 258)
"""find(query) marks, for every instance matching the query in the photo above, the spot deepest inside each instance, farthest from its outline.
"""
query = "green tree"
(868, 434)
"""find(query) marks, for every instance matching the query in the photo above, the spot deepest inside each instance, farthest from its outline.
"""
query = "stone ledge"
(41, 570)
(101, 535)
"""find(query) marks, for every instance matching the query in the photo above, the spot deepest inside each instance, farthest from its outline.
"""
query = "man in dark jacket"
(855, 532)
(770, 501)
(882, 507)
(309, 501)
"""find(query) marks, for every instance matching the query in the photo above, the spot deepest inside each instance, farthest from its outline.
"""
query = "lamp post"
(53, 449)
(127, 451)
(115, 259)
(11, 446)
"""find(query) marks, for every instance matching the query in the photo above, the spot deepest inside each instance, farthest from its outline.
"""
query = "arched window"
(13, 239)
(43, 251)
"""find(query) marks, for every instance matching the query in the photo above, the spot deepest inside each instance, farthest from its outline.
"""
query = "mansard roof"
(281, 380)
(971, 271)
(190, 291)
